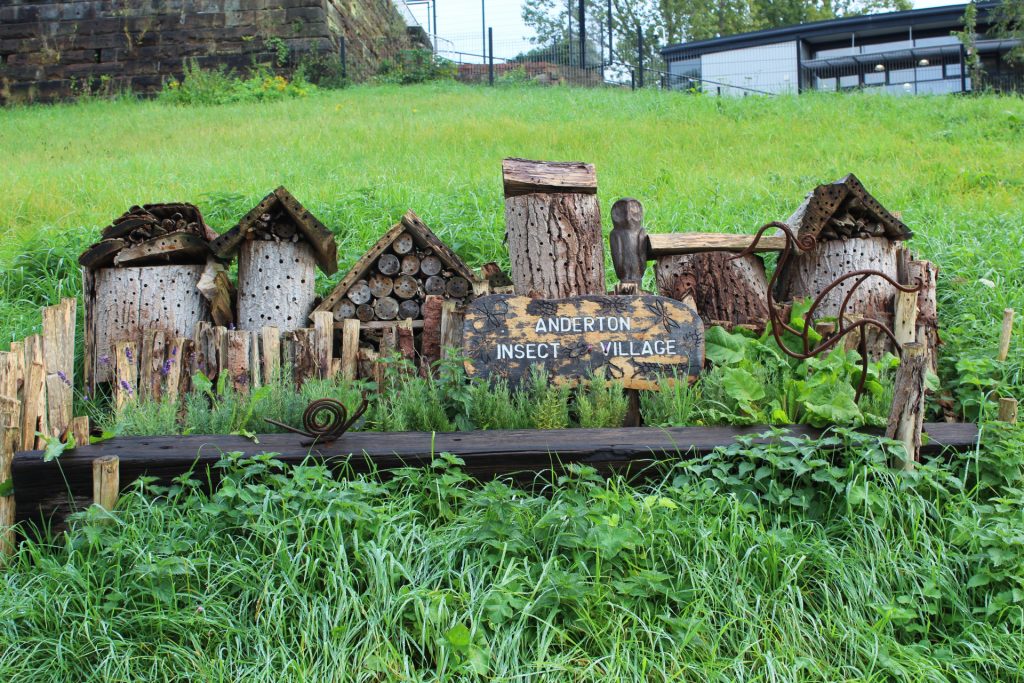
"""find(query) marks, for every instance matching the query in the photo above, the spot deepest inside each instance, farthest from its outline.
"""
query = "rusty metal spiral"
(778, 325)
(325, 420)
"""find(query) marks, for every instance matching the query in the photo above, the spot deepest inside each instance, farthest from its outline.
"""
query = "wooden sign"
(636, 340)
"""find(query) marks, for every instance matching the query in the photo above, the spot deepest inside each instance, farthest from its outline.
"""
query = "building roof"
(829, 29)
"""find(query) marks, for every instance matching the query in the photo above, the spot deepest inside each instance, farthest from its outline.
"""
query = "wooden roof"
(423, 237)
(832, 199)
(319, 237)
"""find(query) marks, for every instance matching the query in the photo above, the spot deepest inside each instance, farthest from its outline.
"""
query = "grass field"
(757, 564)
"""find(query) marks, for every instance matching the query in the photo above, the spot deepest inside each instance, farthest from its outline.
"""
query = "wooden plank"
(350, 349)
(10, 439)
(1008, 410)
(667, 244)
(486, 454)
(317, 234)
(174, 368)
(523, 176)
(33, 402)
(406, 341)
(379, 324)
(270, 340)
(79, 430)
(10, 412)
(906, 419)
(323, 342)
(11, 371)
(178, 248)
(255, 361)
(425, 238)
(59, 353)
(305, 362)
(101, 255)
(430, 340)
(636, 340)
(126, 374)
(905, 320)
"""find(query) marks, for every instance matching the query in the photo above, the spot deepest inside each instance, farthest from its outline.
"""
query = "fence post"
(583, 36)
(611, 36)
(490, 55)
(640, 52)
(632, 79)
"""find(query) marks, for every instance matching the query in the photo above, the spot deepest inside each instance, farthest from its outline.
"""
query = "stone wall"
(59, 49)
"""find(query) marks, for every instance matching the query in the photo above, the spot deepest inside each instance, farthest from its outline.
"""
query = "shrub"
(417, 65)
(221, 86)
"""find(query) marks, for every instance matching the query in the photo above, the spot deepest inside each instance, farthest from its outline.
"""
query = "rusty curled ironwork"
(778, 325)
(325, 420)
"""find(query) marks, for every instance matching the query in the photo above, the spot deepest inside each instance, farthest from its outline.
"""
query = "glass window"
(953, 69)
(929, 73)
(827, 84)
(885, 47)
(901, 75)
(874, 78)
(849, 81)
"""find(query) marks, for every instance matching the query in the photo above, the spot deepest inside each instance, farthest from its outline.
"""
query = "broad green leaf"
(723, 348)
(742, 386)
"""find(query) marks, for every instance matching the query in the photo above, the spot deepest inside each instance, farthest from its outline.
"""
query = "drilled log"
(408, 309)
(380, 285)
(389, 264)
(120, 303)
(906, 419)
(554, 242)
(809, 273)
(386, 308)
(275, 285)
(410, 264)
(406, 287)
(435, 284)
(403, 244)
(724, 289)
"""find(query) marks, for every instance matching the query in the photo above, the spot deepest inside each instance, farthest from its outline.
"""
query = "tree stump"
(808, 273)
(276, 285)
(553, 228)
(724, 289)
(121, 303)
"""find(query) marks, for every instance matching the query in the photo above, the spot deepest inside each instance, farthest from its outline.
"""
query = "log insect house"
(143, 277)
(279, 245)
(406, 276)
(851, 231)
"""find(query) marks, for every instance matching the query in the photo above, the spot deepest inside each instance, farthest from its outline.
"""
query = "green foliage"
(718, 567)
(219, 86)
(548, 401)
(417, 65)
(322, 69)
(600, 403)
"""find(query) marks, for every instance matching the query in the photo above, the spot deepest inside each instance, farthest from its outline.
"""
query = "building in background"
(898, 53)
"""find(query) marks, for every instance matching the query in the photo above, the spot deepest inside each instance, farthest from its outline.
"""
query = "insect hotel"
(142, 279)
(408, 287)
(160, 308)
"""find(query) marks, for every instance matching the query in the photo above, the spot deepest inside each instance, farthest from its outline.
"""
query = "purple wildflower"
(127, 387)
(231, 326)
(105, 359)
(128, 354)
(166, 369)
(63, 377)
(174, 352)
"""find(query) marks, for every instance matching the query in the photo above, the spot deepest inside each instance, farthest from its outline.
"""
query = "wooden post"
(406, 341)
(553, 227)
(350, 349)
(275, 284)
(126, 373)
(255, 362)
(323, 342)
(79, 430)
(106, 481)
(305, 364)
(9, 442)
(926, 273)
(33, 403)
(174, 368)
(59, 353)
(451, 329)
(10, 412)
(151, 365)
(905, 323)
(238, 359)
(1008, 410)
(270, 338)
(1005, 334)
(906, 418)
(430, 340)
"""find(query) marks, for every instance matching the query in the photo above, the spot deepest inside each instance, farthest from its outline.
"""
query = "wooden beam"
(1005, 334)
(523, 176)
(9, 442)
(667, 244)
(40, 487)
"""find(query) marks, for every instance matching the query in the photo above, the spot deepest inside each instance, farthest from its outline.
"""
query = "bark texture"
(276, 285)
(123, 302)
(724, 289)
(555, 244)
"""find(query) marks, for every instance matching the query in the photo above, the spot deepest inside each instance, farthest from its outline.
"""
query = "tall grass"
(800, 561)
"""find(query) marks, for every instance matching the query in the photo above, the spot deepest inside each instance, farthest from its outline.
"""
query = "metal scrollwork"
(809, 350)
(325, 420)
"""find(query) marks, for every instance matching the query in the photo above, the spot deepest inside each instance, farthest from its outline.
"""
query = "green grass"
(799, 561)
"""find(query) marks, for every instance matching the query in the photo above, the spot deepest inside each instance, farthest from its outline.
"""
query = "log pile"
(405, 277)
(152, 234)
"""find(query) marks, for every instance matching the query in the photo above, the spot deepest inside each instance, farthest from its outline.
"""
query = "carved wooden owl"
(628, 240)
